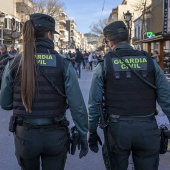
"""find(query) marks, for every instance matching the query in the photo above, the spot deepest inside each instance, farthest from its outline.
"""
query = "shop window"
(17, 26)
(139, 32)
(9, 23)
(5, 23)
(156, 46)
(135, 32)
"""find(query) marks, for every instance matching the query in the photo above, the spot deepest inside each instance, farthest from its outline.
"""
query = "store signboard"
(165, 16)
(150, 34)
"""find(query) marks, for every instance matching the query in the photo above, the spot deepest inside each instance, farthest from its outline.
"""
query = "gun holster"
(74, 140)
(163, 140)
(12, 124)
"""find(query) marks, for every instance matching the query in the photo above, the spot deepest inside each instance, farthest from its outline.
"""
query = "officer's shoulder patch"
(45, 59)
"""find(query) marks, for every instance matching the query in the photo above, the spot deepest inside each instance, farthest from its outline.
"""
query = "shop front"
(161, 44)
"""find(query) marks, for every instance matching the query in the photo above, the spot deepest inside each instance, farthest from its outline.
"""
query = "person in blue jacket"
(132, 82)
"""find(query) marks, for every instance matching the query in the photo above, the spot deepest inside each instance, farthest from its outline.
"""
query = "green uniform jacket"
(72, 90)
(162, 92)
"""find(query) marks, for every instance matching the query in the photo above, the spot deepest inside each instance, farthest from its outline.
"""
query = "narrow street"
(90, 162)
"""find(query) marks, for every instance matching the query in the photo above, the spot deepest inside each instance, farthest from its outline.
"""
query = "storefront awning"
(154, 39)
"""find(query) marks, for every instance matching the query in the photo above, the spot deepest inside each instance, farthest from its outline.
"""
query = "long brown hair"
(28, 66)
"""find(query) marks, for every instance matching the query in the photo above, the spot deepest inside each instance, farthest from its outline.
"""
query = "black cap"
(115, 28)
(43, 21)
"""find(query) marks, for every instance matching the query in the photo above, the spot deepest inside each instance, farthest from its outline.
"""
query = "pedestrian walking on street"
(12, 51)
(71, 57)
(86, 55)
(78, 60)
(90, 59)
(132, 82)
(4, 58)
(37, 85)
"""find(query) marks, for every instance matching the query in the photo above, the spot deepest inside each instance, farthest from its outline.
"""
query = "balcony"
(73, 24)
(73, 30)
(62, 19)
(72, 34)
(62, 28)
(62, 37)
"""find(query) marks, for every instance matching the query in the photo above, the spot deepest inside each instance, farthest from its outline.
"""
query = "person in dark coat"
(78, 60)
(4, 58)
(12, 51)
(71, 57)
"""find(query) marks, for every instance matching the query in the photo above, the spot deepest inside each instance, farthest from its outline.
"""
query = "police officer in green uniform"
(132, 82)
(38, 85)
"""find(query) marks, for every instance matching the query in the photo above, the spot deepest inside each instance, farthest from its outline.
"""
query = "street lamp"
(2, 16)
(128, 18)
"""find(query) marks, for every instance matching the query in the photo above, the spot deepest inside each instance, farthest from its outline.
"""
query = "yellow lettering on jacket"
(42, 62)
(132, 62)
(44, 57)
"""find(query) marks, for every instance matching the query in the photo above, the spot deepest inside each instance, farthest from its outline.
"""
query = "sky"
(86, 12)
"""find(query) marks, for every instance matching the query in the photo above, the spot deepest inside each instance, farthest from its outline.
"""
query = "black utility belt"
(36, 122)
(34, 126)
(147, 118)
(40, 121)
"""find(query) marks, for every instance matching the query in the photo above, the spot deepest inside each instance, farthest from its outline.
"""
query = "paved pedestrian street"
(90, 162)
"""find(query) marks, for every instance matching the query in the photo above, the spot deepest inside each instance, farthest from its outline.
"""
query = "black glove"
(93, 142)
(83, 146)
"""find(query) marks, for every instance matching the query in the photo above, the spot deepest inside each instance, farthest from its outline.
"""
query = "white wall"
(8, 7)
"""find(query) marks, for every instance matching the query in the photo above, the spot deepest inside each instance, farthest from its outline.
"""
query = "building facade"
(132, 6)
(160, 26)
(142, 28)
(71, 28)
(93, 40)
(16, 12)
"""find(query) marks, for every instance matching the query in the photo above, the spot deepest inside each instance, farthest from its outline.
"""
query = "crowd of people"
(83, 60)
(80, 60)
(5, 56)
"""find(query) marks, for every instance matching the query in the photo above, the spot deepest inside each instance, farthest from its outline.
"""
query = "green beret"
(43, 21)
(115, 28)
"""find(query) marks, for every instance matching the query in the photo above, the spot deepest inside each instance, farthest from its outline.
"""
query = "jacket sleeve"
(6, 95)
(163, 90)
(75, 100)
(95, 94)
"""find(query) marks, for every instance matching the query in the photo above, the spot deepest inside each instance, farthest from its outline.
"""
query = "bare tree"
(50, 7)
(97, 27)
(23, 9)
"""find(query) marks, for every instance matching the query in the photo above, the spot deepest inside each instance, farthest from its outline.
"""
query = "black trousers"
(46, 144)
(142, 139)
(91, 65)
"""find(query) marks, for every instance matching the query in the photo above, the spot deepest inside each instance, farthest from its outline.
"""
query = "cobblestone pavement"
(90, 162)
